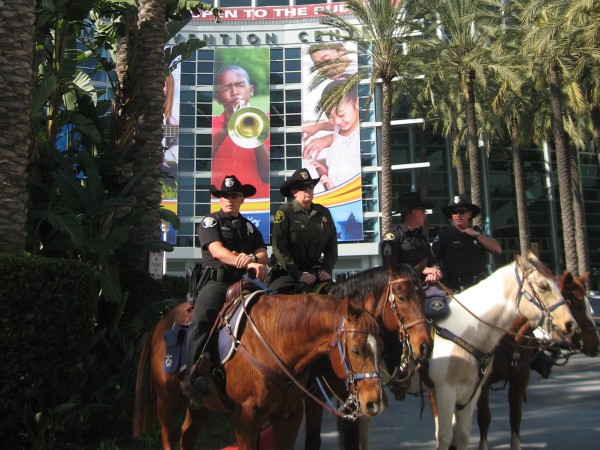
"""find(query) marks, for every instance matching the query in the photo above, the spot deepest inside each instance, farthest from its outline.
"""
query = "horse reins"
(352, 400)
(407, 351)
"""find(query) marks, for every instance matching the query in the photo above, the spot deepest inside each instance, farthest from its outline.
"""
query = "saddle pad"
(176, 351)
(436, 305)
(237, 320)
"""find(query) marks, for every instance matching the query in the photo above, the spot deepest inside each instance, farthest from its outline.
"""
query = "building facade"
(422, 160)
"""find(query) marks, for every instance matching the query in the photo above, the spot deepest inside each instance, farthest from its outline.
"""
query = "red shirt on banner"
(230, 159)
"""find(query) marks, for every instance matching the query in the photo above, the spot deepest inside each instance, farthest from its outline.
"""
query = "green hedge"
(47, 313)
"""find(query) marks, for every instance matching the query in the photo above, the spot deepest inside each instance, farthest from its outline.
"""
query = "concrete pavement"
(561, 413)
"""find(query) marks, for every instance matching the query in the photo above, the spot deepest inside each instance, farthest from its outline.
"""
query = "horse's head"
(538, 297)
(355, 358)
(402, 311)
(574, 291)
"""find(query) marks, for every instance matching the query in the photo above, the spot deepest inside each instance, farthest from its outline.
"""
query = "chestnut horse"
(465, 340)
(512, 358)
(284, 335)
(394, 296)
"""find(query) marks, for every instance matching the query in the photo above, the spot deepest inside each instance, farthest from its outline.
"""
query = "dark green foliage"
(47, 310)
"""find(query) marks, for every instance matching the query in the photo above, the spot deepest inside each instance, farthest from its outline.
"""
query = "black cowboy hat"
(232, 184)
(300, 176)
(410, 201)
(460, 202)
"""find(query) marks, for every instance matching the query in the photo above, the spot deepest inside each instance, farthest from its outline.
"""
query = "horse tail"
(144, 413)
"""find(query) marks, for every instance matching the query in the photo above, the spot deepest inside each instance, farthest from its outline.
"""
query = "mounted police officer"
(405, 243)
(231, 245)
(304, 237)
(460, 248)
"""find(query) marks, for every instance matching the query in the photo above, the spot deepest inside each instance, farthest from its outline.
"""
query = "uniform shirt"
(300, 236)
(401, 245)
(459, 254)
(235, 233)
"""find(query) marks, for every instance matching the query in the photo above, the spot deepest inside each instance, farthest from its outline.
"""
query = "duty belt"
(224, 275)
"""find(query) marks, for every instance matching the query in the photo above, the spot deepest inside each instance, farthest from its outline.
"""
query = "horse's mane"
(372, 281)
(539, 266)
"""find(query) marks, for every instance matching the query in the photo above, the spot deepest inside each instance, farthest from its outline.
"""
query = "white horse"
(465, 340)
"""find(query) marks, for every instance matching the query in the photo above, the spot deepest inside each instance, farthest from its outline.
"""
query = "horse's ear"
(353, 310)
(566, 281)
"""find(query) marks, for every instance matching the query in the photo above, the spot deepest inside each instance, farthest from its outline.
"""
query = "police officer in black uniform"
(304, 237)
(460, 249)
(405, 243)
(231, 245)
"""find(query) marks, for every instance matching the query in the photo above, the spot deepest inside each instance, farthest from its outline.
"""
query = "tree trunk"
(520, 190)
(424, 172)
(583, 260)
(386, 156)
(148, 156)
(564, 171)
(473, 148)
(17, 21)
(460, 166)
(595, 117)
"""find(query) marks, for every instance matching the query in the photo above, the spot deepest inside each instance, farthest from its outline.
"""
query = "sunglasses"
(305, 186)
(460, 211)
(232, 196)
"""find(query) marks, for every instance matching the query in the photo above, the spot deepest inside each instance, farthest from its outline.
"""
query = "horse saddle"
(176, 342)
(436, 306)
(233, 321)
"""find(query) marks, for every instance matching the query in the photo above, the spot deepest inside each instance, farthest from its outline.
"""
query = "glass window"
(205, 79)
(185, 183)
(205, 55)
(185, 197)
(293, 120)
(276, 54)
(187, 97)
(276, 96)
(293, 138)
(203, 164)
(276, 78)
(276, 121)
(186, 152)
(204, 139)
(276, 66)
(293, 65)
(293, 107)
(272, 2)
(185, 109)
(293, 77)
(186, 165)
(204, 96)
(203, 122)
(188, 67)
(294, 95)
(186, 139)
(293, 53)
(188, 79)
(229, 3)
(203, 152)
(187, 122)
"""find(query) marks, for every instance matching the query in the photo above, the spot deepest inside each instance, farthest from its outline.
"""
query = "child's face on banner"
(234, 88)
(345, 116)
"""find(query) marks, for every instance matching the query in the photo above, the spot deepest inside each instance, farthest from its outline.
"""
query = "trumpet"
(248, 127)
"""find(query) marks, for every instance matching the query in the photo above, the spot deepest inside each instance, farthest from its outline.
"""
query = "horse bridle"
(348, 408)
(407, 350)
(535, 300)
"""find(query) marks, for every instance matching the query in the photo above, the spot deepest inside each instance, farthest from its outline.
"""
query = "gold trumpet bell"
(248, 127)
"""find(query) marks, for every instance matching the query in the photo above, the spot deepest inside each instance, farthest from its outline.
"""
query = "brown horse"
(395, 297)
(283, 336)
(512, 358)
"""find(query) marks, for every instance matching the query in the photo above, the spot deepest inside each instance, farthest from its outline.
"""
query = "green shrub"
(47, 312)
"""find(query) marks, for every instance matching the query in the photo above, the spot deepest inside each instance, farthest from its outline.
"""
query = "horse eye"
(355, 351)
(544, 287)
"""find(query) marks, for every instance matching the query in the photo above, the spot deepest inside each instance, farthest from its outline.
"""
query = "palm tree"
(381, 29)
(17, 20)
(460, 50)
(545, 44)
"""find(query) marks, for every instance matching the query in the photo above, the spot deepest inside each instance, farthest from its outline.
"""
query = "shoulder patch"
(389, 236)
(279, 216)
(436, 239)
(208, 222)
